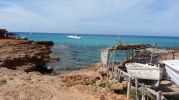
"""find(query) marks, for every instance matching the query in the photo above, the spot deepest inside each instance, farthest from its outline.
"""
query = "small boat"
(74, 36)
(145, 72)
(104, 56)
(172, 69)
(23, 37)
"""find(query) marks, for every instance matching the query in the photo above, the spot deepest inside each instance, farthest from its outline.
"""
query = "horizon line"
(99, 34)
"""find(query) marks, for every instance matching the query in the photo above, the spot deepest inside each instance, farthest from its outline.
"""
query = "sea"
(80, 53)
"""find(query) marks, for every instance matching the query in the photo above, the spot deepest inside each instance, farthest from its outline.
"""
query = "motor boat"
(145, 72)
(104, 56)
(23, 37)
(74, 36)
(172, 69)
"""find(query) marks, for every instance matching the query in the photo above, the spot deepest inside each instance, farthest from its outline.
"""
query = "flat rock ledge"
(25, 55)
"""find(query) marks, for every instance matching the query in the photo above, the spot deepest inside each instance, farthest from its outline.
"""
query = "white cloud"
(92, 16)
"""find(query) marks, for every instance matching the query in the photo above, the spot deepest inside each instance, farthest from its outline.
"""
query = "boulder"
(3, 33)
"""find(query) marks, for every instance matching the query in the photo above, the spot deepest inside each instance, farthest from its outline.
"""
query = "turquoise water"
(78, 53)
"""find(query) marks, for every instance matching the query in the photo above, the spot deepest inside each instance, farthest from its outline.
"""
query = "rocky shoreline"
(83, 84)
(22, 64)
(24, 55)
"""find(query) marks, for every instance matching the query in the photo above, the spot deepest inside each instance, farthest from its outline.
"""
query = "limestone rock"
(24, 54)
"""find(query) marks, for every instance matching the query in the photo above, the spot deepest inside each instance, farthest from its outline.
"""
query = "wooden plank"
(136, 86)
(143, 93)
(144, 90)
(143, 96)
(122, 72)
(170, 93)
(105, 56)
(156, 93)
(159, 95)
(129, 88)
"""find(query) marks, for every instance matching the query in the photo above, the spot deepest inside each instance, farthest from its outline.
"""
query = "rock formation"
(24, 55)
(3, 33)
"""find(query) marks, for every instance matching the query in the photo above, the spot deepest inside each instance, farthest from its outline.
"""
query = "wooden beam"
(156, 93)
(159, 95)
(129, 88)
(170, 93)
(124, 73)
(136, 86)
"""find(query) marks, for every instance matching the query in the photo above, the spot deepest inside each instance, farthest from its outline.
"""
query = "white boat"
(74, 36)
(172, 69)
(104, 56)
(23, 37)
(145, 72)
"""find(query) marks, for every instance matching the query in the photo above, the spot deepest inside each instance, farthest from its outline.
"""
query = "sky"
(133, 17)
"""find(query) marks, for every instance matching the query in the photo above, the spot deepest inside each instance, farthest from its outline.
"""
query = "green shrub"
(3, 81)
(88, 82)
(105, 85)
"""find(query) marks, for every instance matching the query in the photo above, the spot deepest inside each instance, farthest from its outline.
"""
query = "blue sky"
(135, 17)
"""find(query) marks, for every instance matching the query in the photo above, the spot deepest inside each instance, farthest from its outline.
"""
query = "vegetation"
(105, 85)
(88, 82)
(3, 81)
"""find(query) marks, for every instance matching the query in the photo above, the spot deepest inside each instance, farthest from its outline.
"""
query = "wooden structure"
(144, 55)
(121, 46)
(142, 91)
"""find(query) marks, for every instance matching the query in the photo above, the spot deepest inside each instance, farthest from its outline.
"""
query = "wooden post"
(173, 55)
(119, 75)
(143, 95)
(108, 76)
(132, 55)
(129, 88)
(127, 55)
(136, 85)
(159, 95)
